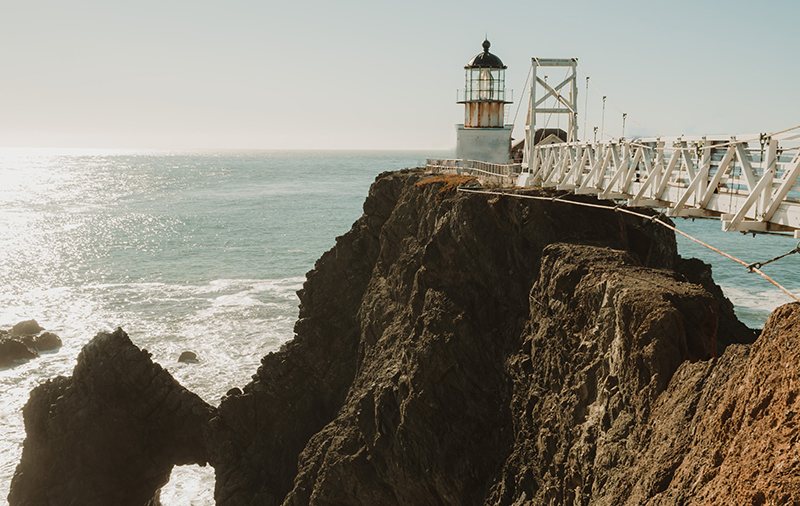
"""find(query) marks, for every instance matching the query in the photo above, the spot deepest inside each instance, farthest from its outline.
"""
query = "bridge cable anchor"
(758, 265)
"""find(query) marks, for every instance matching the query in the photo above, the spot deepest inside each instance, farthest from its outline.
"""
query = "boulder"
(44, 342)
(13, 351)
(27, 327)
(188, 357)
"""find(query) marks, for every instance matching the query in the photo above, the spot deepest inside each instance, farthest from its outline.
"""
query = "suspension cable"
(524, 86)
(758, 265)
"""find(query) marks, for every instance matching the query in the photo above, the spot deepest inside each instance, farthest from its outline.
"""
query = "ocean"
(204, 251)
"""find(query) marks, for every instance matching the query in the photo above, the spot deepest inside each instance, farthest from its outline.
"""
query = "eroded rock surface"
(605, 337)
(404, 382)
(726, 430)
(110, 433)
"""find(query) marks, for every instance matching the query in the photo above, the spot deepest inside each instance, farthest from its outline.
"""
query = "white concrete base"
(491, 145)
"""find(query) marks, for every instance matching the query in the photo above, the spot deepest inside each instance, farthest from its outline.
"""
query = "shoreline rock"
(46, 341)
(13, 351)
(110, 433)
(23, 342)
(28, 327)
(188, 357)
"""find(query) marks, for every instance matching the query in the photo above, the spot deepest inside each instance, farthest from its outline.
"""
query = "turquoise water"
(753, 297)
(204, 251)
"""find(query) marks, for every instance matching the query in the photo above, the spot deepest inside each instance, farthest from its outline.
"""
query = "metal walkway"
(750, 183)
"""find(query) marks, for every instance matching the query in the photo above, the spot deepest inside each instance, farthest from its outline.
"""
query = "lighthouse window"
(485, 84)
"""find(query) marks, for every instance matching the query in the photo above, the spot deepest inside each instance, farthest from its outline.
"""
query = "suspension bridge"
(750, 182)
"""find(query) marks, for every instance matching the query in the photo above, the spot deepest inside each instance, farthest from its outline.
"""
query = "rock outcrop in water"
(459, 348)
(111, 433)
(24, 341)
(13, 351)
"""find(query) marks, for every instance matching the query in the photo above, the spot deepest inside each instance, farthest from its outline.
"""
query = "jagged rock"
(111, 433)
(12, 351)
(44, 342)
(188, 357)
(27, 327)
(725, 431)
(397, 387)
(604, 339)
(731, 330)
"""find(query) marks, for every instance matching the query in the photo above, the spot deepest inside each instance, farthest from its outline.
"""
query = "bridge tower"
(484, 136)
(547, 100)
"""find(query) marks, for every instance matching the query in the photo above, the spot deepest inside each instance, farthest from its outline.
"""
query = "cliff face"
(726, 430)
(445, 353)
(457, 348)
(605, 337)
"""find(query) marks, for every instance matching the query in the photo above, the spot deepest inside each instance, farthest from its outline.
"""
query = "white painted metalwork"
(750, 183)
(548, 99)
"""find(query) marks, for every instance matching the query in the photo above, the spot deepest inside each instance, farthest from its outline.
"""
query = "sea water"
(204, 251)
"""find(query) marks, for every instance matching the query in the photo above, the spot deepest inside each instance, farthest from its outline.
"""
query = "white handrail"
(752, 183)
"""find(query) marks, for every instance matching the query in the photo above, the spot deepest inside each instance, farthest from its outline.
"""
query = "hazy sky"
(376, 75)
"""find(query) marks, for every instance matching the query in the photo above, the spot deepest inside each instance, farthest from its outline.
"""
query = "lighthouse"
(483, 136)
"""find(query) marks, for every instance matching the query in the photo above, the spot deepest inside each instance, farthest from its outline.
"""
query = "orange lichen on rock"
(449, 182)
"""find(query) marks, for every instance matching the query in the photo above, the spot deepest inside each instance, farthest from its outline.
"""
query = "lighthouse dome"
(485, 60)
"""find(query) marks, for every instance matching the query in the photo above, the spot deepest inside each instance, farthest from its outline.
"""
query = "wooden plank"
(631, 170)
(694, 187)
(769, 171)
(653, 174)
(616, 172)
(687, 160)
(574, 176)
(596, 172)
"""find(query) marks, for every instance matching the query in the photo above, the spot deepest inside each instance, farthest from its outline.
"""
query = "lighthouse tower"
(483, 136)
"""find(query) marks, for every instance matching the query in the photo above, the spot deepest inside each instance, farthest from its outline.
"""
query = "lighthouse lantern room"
(484, 136)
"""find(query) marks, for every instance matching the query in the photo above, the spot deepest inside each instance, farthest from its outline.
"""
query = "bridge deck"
(751, 184)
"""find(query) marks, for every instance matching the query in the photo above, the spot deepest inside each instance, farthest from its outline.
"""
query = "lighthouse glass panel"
(485, 85)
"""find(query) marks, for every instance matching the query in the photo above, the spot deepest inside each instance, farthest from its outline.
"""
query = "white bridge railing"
(485, 171)
(752, 184)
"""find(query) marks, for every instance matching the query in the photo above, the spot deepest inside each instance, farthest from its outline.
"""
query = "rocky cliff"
(110, 433)
(458, 348)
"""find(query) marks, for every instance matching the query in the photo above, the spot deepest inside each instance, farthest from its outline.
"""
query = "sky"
(355, 74)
